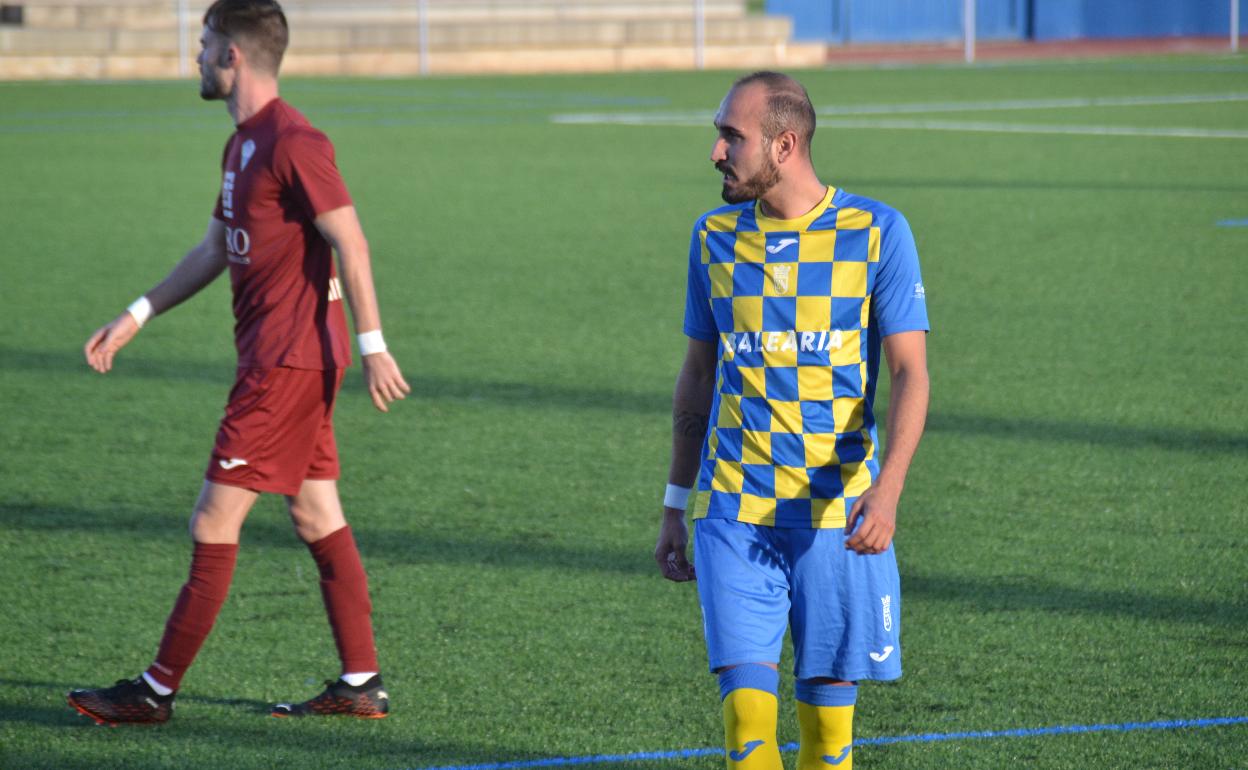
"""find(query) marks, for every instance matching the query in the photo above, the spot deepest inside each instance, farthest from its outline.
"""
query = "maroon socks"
(344, 586)
(212, 568)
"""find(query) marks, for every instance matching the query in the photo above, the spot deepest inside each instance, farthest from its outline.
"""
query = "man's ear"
(784, 146)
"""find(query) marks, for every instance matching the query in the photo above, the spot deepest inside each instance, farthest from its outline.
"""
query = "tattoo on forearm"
(690, 424)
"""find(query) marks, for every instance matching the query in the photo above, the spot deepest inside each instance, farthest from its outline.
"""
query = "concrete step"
(98, 16)
(147, 14)
(407, 63)
(460, 36)
(138, 38)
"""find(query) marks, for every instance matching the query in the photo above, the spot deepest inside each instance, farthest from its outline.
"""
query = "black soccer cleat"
(368, 701)
(130, 701)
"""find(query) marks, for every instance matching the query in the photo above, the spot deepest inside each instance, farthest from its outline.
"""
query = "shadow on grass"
(572, 397)
(142, 367)
(1095, 433)
(67, 715)
(1056, 185)
(523, 548)
(203, 739)
(1031, 594)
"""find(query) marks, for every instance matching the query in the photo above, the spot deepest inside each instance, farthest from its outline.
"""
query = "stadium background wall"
(912, 21)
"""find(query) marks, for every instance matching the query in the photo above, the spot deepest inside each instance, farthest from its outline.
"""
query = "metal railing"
(969, 17)
(185, 26)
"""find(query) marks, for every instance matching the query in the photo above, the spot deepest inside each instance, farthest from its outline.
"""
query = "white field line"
(705, 117)
(1036, 128)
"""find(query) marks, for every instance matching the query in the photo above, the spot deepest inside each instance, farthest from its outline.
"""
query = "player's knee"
(749, 692)
(313, 522)
(208, 526)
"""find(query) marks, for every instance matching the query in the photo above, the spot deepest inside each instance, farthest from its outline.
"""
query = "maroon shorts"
(277, 431)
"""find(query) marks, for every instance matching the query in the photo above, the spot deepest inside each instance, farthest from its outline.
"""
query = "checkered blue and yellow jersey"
(797, 308)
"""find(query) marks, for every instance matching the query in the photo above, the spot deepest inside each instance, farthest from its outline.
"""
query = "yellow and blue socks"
(825, 713)
(750, 705)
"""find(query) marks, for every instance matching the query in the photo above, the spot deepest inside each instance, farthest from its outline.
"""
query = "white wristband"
(371, 342)
(676, 497)
(140, 310)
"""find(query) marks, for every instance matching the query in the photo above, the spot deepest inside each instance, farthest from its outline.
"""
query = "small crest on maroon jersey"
(249, 149)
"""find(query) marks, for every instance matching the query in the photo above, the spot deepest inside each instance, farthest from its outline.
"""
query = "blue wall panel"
(1067, 19)
(873, 21)
(811, 20)
(1002, 19)
(1156, 18)
(905, 21)
(891, 21)
(1057, 19)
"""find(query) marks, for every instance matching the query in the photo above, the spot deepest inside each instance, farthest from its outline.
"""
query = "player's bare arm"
(341, 227)
(906, 354)
(691, 408)
(200, 267)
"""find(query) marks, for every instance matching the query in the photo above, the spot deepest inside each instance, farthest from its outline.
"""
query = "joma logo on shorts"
(887, 602)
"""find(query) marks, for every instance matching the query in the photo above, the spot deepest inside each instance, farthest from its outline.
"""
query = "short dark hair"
(256, 26)
(788, 106)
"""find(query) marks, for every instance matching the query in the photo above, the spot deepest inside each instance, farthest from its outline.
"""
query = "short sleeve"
(699, 322)
(898, 299)
(304, 160)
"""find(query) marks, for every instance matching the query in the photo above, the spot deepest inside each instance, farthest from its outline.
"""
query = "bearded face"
(745, 181)
(215, 73)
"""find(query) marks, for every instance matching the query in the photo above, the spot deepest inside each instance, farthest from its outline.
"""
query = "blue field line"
(1022, 732)
(1233, 223)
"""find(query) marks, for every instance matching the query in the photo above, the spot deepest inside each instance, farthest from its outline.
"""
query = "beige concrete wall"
(517, 61)
(397, 62)
(138, 38)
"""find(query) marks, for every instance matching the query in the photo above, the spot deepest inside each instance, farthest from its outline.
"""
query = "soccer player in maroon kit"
(282, 207)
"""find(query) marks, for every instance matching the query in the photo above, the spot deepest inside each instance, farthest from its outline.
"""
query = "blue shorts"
(844, 608)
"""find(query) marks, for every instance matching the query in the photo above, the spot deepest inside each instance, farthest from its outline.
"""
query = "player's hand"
(878, 510)
(669, 552)
(384, 380)
(108, 339)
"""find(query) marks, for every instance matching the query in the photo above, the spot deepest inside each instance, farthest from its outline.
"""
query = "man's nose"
(719, 151)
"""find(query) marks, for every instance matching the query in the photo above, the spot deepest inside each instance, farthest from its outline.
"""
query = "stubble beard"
(752, 188)
(211, 87)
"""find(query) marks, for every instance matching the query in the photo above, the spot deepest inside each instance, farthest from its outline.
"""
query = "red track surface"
(1019, 50)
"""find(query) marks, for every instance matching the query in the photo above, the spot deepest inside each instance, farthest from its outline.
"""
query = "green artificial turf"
(1072, 539)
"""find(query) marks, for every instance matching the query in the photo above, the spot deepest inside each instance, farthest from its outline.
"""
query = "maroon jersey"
(278, 175)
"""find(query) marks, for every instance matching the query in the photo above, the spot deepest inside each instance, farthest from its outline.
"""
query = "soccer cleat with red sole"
(367, 701)
(130, 701)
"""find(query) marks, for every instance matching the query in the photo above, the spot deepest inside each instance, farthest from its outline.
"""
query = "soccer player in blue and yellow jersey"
(794, 289)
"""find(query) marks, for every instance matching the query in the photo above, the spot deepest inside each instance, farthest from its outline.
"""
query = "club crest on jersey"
(780, 277)
(249, 149)
(887, 602)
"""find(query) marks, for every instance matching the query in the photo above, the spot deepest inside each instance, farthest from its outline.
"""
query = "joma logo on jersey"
(237, 245)
(227, 194)
(887, 602)
(777, 342)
